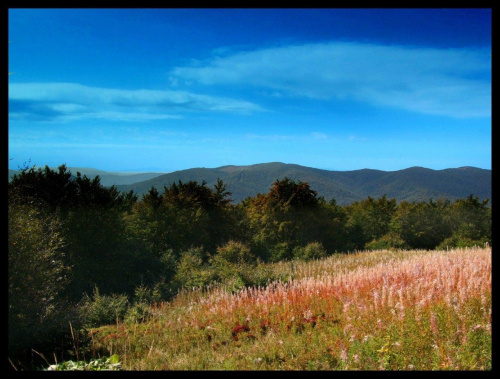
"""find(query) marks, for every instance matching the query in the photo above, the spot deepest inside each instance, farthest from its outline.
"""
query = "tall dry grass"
(381, 310)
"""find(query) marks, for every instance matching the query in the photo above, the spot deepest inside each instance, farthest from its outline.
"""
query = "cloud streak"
(451, 82)
(71, 101)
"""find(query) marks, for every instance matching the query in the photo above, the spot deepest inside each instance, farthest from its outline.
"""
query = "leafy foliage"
(37, 276)
(313, 250)
(111, 363)
(422, 225)
(100, 309)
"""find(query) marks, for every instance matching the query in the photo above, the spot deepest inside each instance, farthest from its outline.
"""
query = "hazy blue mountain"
(107, 178)
(411, 184)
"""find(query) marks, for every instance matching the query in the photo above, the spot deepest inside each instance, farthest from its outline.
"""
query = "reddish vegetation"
(239, 329)
(356, 308)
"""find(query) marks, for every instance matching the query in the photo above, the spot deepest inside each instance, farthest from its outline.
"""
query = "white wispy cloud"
(452, 82)
(70, 101)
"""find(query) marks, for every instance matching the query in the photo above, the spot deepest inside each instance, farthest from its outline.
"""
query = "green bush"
(169, 262)
(261, 275)
(282, 251)
(235, 252)
(458, 241)
(313, 250)
(144, 297)
(102, 309)
(139, 312)
(387, 241)
(192, 271)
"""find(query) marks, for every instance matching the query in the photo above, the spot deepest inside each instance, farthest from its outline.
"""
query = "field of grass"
(379, 310)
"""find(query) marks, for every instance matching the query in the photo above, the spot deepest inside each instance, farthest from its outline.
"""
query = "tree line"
(70, 238)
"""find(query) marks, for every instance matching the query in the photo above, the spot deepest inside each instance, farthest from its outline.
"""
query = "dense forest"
(81, 254)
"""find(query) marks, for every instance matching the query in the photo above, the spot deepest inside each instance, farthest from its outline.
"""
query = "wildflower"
(308, 314)
(343, 354)
(356, 358)
(347, 328)
(434, 327)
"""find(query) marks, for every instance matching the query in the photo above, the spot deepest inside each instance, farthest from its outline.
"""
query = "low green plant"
(111, 363)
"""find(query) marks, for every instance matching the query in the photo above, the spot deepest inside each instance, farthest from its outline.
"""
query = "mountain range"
(107, 178)
(411, 184)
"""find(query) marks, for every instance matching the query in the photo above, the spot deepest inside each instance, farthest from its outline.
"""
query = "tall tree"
(290, 215)
(369, 220)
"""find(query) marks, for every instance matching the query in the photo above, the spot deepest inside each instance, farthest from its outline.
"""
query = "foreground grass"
(382, 310)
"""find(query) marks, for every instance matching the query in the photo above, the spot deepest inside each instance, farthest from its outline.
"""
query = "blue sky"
(171, 89)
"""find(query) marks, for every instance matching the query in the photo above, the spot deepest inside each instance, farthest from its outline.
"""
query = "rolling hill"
(107, 178)
(411, 184)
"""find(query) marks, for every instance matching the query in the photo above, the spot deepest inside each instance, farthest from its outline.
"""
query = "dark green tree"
(471, 223)
(150, 222)
(97, 244)
(290, 215)
(422, 225)
(368, 220)
(38, 275)
(202, 217)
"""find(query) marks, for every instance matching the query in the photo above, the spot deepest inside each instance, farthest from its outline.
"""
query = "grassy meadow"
(370, 310)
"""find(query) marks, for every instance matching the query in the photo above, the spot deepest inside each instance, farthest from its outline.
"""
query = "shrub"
(191, 271)
(139, 312)
(102, 309)
(387, 241)
(458, 241)
(235, 252)
(144, 297)
(169, 262)
(313, 250)
(282, 251)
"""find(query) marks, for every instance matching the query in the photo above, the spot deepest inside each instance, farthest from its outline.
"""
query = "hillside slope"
(107, 178)
(411, 184)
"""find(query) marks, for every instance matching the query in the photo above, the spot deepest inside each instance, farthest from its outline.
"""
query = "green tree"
(38, 274)
(471, 223)
(473, 218)
(150, 222)
(369, 220)
(97, 243)
(422, 225)
(290, 215)
(200, 216)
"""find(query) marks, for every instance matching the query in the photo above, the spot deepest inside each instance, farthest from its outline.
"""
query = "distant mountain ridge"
(108, 178)
(411, 184)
